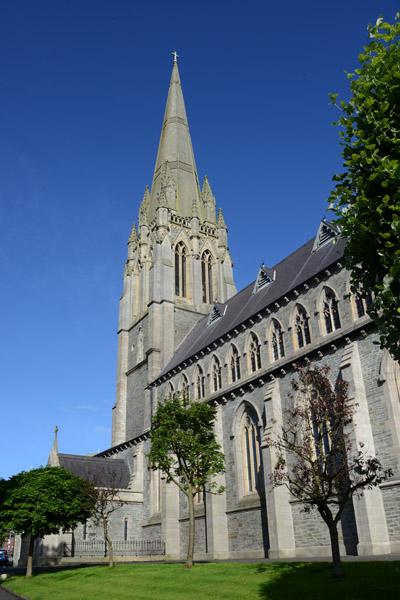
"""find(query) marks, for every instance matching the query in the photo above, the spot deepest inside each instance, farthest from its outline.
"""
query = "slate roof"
(294, 270)
(103, 472)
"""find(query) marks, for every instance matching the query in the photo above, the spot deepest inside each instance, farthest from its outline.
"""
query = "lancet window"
(216, 374)
(330, 311)
(170, 391)
(277, 342)
(180, 270)
(234, 364)
(206, 276)
(254, 351)
(199, 383)
(253, 476)
(301, 327)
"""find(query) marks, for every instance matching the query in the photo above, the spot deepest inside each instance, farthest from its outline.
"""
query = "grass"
(233, 581)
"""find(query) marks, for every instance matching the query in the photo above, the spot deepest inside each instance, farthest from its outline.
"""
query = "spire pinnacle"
(175, 55)
(221, 221)
(133, 236)
(175, 147)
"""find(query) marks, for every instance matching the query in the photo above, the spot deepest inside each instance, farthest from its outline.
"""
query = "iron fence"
(97, 548)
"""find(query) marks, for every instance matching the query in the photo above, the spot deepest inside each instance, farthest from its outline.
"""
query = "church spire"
(175, 147)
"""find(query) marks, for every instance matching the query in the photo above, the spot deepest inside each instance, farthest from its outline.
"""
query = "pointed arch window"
(206, 277)
(180, 270)
(277, 342)
(362, 301)
(330, 311)
(184, 387)
(216, 374)
(170, 391)
(234, 364)
(253, 475)
(301, 327)
(200, 383)
(254, 350)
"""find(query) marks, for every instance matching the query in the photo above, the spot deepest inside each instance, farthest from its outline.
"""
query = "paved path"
(7, 595)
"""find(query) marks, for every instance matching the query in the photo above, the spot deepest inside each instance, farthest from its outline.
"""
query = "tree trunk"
(337, 563)
(29, 564)
(189, 560)
(109, 545)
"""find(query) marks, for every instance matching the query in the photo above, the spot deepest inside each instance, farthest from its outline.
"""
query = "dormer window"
(264, 277)
(326, 232)
(217, 312)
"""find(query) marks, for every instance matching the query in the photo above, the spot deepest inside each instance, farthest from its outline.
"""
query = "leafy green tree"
(184, 448)
(366, 199)
(315, 456)
(41, 502)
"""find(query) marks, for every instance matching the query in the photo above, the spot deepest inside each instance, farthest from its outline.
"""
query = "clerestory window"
(216, 374)
(184, 387)
(199, 383)
(234, 364)
(301, 327)
(277, 342)
(362, 302)
(254, 351)
(330, 311)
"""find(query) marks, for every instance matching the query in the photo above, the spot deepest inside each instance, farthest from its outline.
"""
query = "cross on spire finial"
(55, 431)
(175, 55)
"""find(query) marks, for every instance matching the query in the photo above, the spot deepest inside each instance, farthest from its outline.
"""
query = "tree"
(105, 501)
(366, 199)
(41, 502)
(316, 459)
(184, 447)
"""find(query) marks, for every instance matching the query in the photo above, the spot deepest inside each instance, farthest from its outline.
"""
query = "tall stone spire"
(175, 147)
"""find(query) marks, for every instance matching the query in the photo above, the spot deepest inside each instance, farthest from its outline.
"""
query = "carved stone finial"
(175, 55)
(55, 432)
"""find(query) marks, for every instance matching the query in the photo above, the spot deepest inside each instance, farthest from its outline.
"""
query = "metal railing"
(97, 548)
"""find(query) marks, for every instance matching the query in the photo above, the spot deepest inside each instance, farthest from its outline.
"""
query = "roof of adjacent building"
(295, 270)
(103, 472)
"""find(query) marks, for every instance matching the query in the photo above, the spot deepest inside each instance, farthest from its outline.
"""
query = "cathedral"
(183, 327)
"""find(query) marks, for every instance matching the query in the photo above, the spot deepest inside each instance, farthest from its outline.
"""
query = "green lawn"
(233, 581)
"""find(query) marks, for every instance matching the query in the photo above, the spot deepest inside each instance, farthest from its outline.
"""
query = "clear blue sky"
(83, 85)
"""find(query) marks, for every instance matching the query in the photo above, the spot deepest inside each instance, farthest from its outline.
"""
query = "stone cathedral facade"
(184, 328)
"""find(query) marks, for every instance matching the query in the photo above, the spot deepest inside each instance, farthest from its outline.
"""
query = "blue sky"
(83, 85)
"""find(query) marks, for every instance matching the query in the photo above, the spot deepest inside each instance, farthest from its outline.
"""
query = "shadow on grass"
(314, 581)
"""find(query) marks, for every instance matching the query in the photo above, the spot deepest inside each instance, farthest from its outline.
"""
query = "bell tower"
(178, 265)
